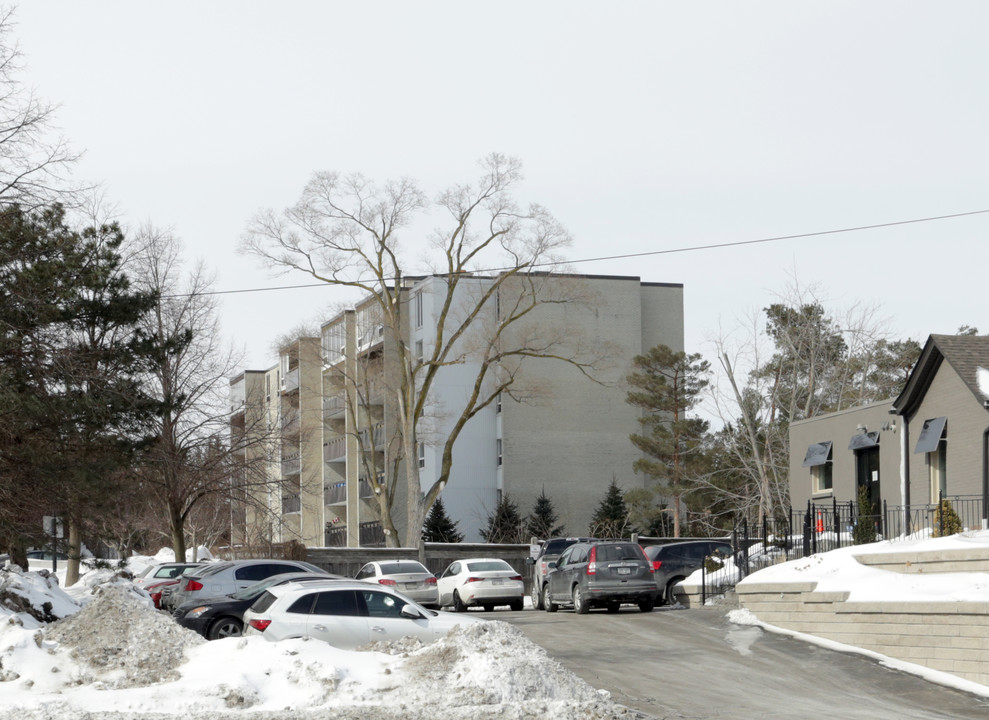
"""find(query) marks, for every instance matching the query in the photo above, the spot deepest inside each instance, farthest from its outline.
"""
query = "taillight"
(259, 625)
(544, 568)
(430, 581)
(156, 599)
(387, 581)
(193, 585)
(592, 566)
(656, 564)
(516, 577)
(474, 579)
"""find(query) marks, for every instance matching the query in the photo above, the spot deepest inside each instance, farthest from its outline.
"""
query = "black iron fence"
(821, 527)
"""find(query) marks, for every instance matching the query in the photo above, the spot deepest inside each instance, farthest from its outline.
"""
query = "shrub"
(952, 524)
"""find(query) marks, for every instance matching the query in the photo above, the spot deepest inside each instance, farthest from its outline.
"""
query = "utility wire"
(650, 253)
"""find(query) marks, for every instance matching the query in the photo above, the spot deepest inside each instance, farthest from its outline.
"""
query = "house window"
(419, 353)
(818, 459)
(933, 442)
(498, 441)
(417, 308)
(422, 455)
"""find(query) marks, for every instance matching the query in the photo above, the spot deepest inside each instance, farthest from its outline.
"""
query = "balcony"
(373, 437)
(291, 465)
(335, 450)
(334, 406)
(290, 381)
(291, 504)
(238, 394)
(337, 494)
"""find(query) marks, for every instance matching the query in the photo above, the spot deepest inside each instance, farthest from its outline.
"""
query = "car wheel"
(670, 594)
(516, 605)
(647, 605)
(537, 596)
(580, 605)
(613, 607)
(488, 608)
(458, 604)
(225, 627)
(548, 603)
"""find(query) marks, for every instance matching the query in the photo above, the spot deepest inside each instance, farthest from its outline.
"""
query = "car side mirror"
(530, 561)
(411, 612)
(551, 565)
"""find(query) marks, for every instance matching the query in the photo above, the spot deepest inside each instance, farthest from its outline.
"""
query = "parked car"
(42, 559)
(223, 616)
(344, 614)
(550, 550)
(409, 577)
(601, 574)
(156, 574)
(224, 578)
(672, 563)
(481, 581)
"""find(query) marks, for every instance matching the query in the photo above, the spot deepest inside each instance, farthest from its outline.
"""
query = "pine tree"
(505, 524)
(439, 527)
(611, 519)
(541, 523)
(666, 385)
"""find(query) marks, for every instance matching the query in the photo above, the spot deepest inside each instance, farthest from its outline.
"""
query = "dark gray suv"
(601, 574)
(672, 563)
(549, 551)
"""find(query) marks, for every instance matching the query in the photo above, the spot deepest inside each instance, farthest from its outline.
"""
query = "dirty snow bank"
(114, 656)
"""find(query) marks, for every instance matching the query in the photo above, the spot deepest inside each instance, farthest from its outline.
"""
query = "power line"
(692, 248)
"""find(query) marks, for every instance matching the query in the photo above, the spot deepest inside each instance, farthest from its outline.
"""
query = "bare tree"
(191, 460)
(345, 231)
(34, 162)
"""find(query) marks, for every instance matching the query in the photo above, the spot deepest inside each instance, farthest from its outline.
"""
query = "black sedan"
(220, 617)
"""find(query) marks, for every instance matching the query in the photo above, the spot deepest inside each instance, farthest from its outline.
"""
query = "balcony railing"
(291, 504)
(337, 494)
(290, 381)
(371, 535)
(291, 465)
(373, 437)
(335, 450)
(334, 406)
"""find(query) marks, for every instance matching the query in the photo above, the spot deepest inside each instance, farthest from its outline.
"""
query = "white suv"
(344, 614)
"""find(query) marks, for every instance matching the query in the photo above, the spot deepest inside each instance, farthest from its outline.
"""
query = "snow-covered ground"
(839, 571)
(100, 649)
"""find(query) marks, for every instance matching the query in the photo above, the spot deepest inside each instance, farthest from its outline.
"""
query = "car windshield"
(488, 565)
(402, 567)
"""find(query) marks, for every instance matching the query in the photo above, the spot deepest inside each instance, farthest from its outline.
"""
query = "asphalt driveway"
(696, 664)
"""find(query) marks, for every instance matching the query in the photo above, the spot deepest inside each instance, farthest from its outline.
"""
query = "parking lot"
(678, 663)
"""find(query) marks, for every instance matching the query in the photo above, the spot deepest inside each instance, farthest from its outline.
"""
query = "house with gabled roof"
(932, 441)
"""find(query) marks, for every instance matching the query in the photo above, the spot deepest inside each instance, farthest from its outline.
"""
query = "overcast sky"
(643, 126)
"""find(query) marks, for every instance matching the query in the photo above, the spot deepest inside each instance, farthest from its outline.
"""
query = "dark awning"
(862, 441)
(930, 435)
(817, 454)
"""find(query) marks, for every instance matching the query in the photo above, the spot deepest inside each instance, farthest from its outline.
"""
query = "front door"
(867, 472)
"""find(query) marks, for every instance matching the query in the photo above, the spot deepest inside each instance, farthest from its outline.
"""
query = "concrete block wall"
(949, 636)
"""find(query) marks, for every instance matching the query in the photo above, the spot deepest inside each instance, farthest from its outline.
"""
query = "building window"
(417, 308)
(933, 442)
(818, 459)
(498, 441)
(498, 403)
(419, 352)
(422, 455)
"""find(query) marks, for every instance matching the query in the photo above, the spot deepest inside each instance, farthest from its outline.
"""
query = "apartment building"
(562, 430)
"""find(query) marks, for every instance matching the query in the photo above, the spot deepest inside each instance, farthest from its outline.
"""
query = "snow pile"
(839, 571)
(120, 640)
(113, 656)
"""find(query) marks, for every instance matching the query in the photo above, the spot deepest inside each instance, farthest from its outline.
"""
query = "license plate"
(497, 581)
(411, 585)
(624, 571)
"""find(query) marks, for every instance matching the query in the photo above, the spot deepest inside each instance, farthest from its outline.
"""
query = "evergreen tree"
(541, 522)
(439, 527)
(505, 524)
(611, 519)
(71, 363)
(666, 385)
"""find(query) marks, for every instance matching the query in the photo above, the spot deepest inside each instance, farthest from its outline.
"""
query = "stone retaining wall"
(949, 636)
